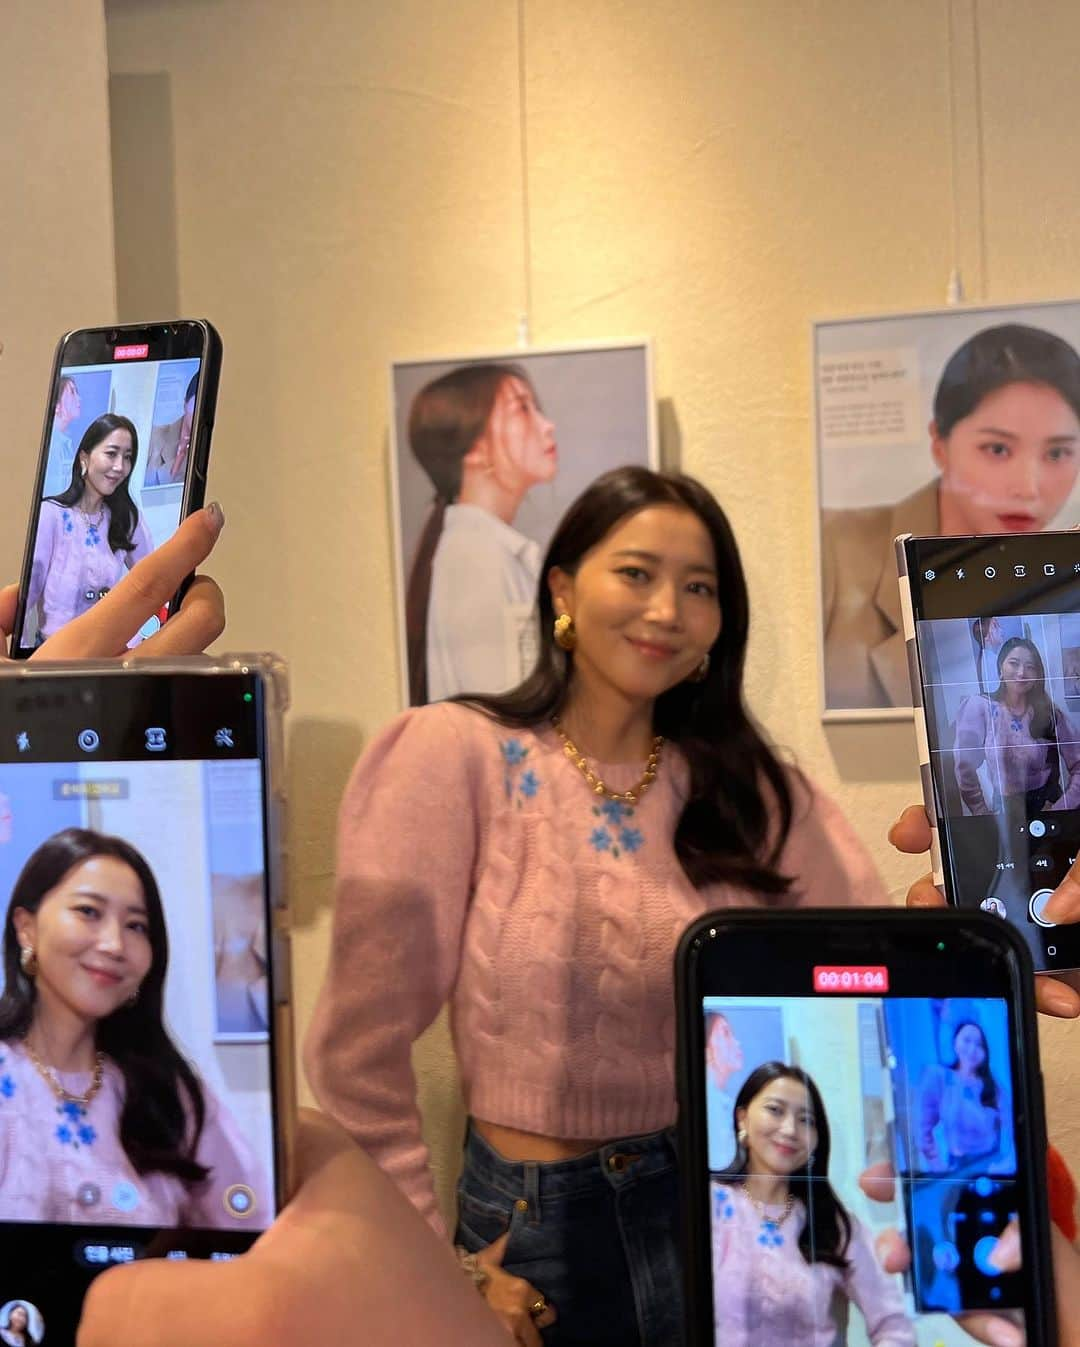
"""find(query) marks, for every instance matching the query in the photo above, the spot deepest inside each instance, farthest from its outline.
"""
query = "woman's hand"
(511, 1297)
(348, 1260)
(108, 627)
(911, 833)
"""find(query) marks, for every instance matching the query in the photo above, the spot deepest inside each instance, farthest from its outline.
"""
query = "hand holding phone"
(123, 460)
(992, 625)
(108, 628)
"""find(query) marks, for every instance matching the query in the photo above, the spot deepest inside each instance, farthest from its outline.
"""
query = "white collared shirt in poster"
(480, 635)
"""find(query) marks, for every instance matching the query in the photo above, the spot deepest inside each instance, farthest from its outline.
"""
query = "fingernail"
(1059, 909)
(1000, 1333)
(216, 516)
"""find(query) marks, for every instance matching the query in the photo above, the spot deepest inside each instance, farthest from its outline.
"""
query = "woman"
(91, 535)
(102, 1120)
(966, 1101)
(166, 463)
(16, 1331)
(1005, 438)
(533, 858)
(480, 436)
(787, 1255)
(1021, 735)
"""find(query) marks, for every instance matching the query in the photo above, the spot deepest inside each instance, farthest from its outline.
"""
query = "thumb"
(495, 1252)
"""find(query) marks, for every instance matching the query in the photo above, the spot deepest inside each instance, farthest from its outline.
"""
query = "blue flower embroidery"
(618, 839)
(7, 1087)
(73, 1131)
(723, 1205)
(514, 752)
(92, 536)
(69, 527)
(631, 839)
(615, 811)
(770, 1236)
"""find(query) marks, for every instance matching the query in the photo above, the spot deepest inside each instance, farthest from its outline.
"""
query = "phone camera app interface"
(1000, 658)
(869, 1203)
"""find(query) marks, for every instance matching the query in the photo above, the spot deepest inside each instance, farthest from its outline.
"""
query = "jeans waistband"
(615, 1162)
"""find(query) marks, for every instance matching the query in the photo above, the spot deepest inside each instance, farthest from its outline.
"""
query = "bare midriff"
(518, 1146)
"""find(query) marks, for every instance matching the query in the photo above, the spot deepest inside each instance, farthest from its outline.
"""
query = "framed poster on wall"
(487, 453)
(957, 421)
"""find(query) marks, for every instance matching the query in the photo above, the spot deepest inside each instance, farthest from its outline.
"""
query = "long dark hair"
(1043, 719)
(446, 419)
(123, 513)
(827, 1232)
(739, 809)
(998, 356)
(158, 1133)
(989, 1094)
(22, 1305)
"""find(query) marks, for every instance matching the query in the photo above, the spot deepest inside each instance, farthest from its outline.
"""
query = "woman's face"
(781, 1132)
(109, 462)
(723, 1051)
(1010, 465)
(1021, 669)
(518, 444)
(644, 603)
(91, 937)
(970, 1047)
(18, 1319)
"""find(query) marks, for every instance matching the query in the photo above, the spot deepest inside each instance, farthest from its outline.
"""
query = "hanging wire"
(980, 162)
(954, 292)
(524, 335)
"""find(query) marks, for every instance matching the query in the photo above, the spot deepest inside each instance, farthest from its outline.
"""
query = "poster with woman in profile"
(953, 423)
(488, 452)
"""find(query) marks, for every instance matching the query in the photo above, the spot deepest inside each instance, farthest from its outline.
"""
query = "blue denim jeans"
(598, 1235)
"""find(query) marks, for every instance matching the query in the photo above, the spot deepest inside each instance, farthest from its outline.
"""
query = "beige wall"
(347, 188)
(57, 268)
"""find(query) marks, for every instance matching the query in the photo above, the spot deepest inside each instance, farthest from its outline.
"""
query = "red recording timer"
(849, 978)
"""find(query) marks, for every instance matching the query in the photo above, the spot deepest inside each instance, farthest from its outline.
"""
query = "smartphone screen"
(123, 460)
(137, 1029)
(997, 639)
(852, 1102)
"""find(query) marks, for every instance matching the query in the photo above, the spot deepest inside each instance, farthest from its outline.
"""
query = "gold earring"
(700, 674)
(28, 960)
(565, 635)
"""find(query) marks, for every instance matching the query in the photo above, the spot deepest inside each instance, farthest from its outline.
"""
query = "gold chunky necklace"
(776, 1220)
(599, 787)
(48, 1075)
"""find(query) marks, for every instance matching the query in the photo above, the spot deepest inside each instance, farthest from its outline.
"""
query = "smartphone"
(146, 1078)
(849, 1077)
(993, 633)
(123, 460)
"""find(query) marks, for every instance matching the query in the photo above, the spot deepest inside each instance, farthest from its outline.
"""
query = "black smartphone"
(993, 631)
(146, 1079)
(857, 1087)
(123, 460)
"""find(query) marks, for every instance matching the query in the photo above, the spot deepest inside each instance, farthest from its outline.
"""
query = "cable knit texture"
(475, 865)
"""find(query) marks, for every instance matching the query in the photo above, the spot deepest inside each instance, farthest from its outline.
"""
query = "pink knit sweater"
(475, 865)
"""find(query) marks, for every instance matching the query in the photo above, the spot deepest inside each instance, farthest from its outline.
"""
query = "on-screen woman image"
(91, 534)
(21, 1324)
(788, 1257)
(102, 1118)
(1025, 740)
